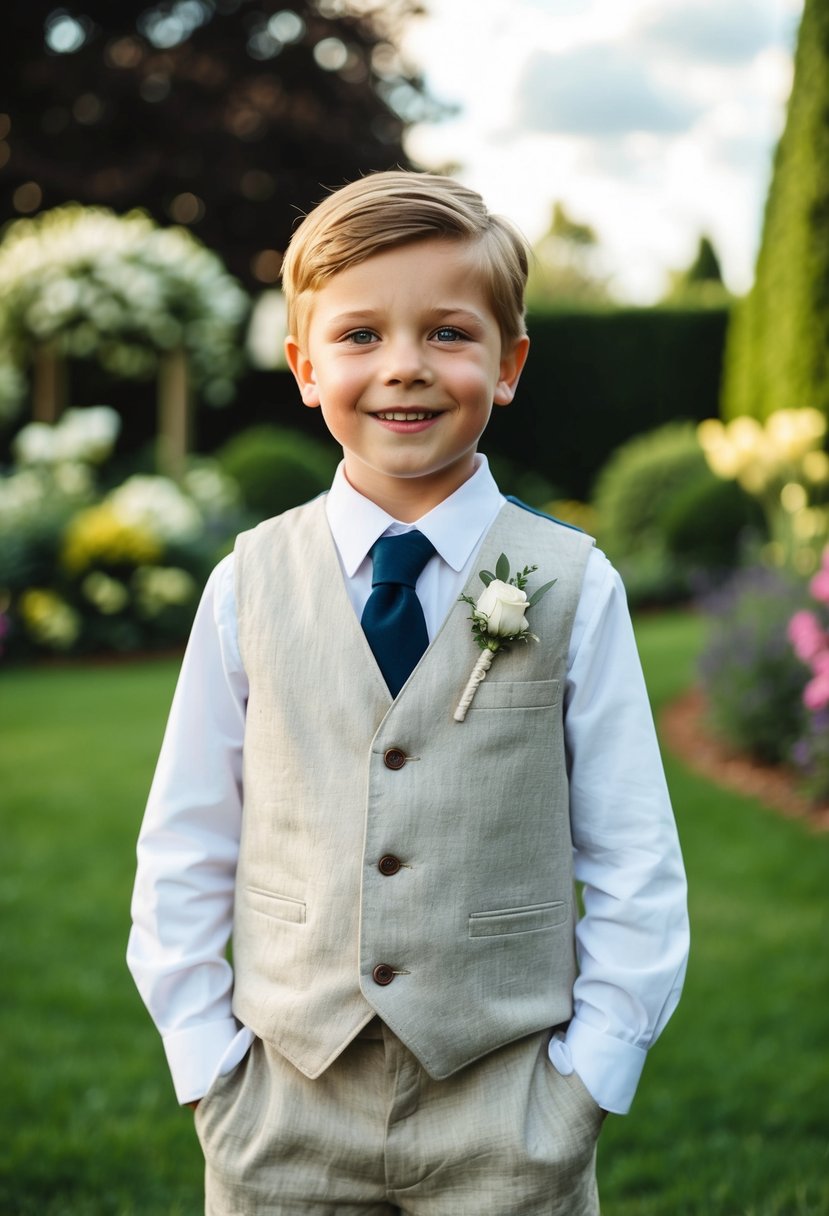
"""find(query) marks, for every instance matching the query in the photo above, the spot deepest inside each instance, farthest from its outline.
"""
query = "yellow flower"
(731, 449)
(793, 433)
(756, 455)
(99, 535)
(107, 594)
(49, 619)
(159, 587)
(816, 467)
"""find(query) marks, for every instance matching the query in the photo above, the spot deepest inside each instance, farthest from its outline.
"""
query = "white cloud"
(559, 94)
(718, 31)
(652, 120)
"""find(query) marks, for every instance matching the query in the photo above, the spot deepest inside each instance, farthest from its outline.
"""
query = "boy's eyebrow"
(437, 313)
(352, 318)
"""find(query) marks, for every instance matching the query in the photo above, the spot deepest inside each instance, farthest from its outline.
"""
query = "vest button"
(394, 758)
(389, 864)
(382, 974)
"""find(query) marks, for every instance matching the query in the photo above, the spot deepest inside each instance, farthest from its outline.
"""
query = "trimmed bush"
(640, 482)
(634, 494)
(276, 468)
(710, 523)
(664, 518)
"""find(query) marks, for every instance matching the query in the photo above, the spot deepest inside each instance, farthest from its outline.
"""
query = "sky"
(654, 121)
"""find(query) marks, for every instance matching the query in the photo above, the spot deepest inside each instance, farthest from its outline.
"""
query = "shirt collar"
(455, 526)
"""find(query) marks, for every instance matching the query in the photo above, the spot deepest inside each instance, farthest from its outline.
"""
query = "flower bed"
(83, 570)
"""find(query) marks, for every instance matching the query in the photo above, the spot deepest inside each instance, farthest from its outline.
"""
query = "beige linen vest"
(392, 860)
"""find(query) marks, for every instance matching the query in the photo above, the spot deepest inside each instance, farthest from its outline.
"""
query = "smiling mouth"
(406, 415)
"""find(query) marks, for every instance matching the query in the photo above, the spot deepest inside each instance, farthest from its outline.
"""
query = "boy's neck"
(408, 499)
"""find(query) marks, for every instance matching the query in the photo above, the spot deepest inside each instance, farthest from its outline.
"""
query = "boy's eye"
(448, 333)
(361, 337)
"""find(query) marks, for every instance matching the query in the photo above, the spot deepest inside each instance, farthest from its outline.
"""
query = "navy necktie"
(393, 618)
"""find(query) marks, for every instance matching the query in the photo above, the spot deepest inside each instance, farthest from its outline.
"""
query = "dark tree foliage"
(231, 116)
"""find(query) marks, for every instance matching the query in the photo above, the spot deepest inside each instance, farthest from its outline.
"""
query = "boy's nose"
(406, 364)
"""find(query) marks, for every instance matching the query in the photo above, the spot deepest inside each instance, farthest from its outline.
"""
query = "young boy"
(416, 1019)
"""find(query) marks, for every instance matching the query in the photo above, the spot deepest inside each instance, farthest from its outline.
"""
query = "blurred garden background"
(154, 158)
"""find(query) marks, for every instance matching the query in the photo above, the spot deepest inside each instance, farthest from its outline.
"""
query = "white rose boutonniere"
(498, 618)
(504, 607)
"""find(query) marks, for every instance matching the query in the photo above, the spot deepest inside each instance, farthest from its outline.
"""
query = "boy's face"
(403, 354)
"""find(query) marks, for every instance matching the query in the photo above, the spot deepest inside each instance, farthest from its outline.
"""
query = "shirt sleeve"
(182, 905)
(632, 940)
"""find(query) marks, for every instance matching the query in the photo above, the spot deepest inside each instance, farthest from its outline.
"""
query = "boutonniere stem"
(498, 618)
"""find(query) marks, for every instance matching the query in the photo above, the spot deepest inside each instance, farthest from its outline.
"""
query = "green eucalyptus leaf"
(536, 595)
(502, 568)
(486, 577)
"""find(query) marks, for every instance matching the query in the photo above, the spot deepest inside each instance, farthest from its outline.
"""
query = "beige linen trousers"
(375, 1135)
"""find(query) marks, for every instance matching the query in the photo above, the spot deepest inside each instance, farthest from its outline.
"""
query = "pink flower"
(806, 636)
(819, 586)
(816, 692)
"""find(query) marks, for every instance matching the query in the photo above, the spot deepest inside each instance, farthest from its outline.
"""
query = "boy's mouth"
(406, 415)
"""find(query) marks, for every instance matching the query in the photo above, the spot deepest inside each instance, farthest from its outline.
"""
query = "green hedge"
(595, 379)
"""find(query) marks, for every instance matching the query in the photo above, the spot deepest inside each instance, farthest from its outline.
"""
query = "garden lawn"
(731, 1116)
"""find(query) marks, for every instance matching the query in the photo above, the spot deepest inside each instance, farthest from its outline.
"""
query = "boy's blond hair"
(385, 210)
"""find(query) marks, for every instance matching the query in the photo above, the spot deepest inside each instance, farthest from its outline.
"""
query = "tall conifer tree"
(778, 344)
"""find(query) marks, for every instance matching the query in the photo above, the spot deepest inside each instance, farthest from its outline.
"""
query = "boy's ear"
(303, 370)
(512, 364)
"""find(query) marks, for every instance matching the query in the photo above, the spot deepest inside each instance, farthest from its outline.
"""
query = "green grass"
(731, 1116)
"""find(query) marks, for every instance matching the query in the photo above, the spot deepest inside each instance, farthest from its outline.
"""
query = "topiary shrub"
(634, 494)
(710, 523)
(277, 468)
(640, 482)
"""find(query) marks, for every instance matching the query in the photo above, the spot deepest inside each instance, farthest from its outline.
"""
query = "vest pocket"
(516, 694)
(282, 907)
(517, 920)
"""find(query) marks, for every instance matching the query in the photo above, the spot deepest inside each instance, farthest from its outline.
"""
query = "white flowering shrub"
(121, 290)
(84, 436)
(158, 505)
(82, 570)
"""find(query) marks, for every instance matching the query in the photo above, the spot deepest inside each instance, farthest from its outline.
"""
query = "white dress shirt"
(632, 940)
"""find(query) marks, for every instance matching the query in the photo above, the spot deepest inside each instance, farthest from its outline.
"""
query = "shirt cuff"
(195, 1056)
(609, 1068)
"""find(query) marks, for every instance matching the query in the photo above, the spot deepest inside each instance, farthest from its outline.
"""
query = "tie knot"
(400, 559)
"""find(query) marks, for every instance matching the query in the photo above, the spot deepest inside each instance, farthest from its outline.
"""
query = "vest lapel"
(342, 619)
